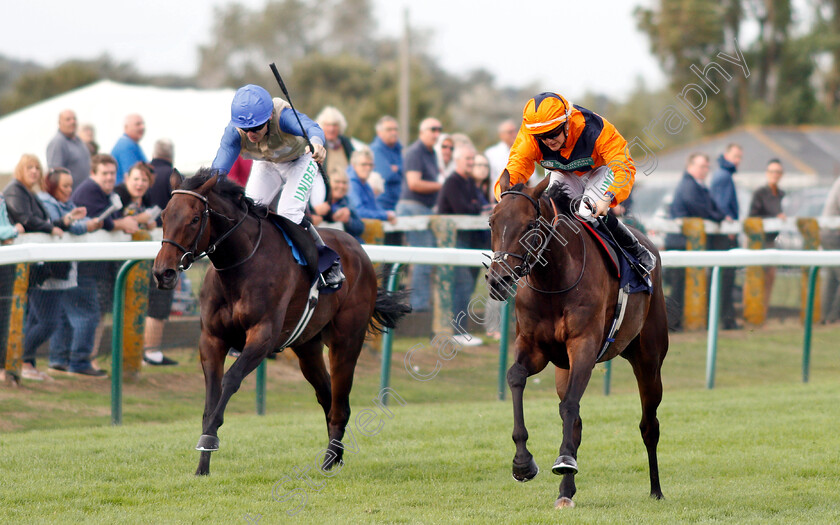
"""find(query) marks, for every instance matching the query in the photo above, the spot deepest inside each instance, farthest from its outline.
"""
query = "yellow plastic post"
(14, 348)
(445, 232)
(136, 305)
(755, 306)
(696, 300)
(810, 230)
(374, 232)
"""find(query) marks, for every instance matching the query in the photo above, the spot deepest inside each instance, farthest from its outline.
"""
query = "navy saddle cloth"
(315, 259)
(616, 261)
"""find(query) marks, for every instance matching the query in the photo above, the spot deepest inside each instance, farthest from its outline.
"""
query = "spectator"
(51, 302)
(134, 195)
(69, 151)
(22, 203)
(25, 208)
(339, 147)
(388, 162)
(767, 203)
(831, 241)
(418, 197)
(8, 232)
(361, 195)
(160, 301)
(96, 279)
(460, 196)
(481, 176)
(443, 149)
(88, 135)
(691, 199)
(127, 150)
(166, 177)
(723, 193)
(340, 208)
(498, 154)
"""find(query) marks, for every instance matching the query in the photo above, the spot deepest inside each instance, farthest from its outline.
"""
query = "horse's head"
(517, 236)
(185, 228)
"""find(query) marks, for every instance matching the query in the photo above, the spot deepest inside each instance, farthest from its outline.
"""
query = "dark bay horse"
(565, 303)
(253, 297)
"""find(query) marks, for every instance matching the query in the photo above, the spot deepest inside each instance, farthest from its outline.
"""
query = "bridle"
(532, 256)
(190, 256)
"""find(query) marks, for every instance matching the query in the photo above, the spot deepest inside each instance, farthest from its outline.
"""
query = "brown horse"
(254, 295)
(565, 304)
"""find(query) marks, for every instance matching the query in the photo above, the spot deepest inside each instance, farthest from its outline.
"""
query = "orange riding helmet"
(545, 112)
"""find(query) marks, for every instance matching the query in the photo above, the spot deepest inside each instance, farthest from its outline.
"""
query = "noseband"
(531, 257)
(190, 256)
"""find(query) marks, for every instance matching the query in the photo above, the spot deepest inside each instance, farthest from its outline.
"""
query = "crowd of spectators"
(718, 203)
(82, 191)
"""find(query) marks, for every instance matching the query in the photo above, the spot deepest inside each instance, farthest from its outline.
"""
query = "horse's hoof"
(564, 465)
(564, 503)
(207, 443)
(330, 463)
(523, 473)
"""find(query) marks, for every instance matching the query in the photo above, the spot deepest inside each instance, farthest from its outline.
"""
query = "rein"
(524, 270)
(190, 256)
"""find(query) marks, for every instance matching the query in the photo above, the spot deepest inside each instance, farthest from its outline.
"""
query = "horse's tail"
(390, 308)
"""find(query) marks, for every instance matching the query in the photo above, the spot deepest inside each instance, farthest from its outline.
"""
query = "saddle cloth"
(314, 259)
(628, 279)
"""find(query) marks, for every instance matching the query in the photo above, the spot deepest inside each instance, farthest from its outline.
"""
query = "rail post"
(810, 230)
(809, 318)
(503, 345)
(388, 337)
(117, 342)
(714, 317)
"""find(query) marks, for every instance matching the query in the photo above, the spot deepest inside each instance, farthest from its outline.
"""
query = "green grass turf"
(760, 448)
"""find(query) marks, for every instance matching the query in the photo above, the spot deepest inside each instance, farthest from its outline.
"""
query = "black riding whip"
(302, 129)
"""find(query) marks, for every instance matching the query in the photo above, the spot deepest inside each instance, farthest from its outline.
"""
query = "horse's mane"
(560, 193)
(224, 187)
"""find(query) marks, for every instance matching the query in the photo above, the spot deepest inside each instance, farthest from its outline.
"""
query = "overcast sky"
(566, 46)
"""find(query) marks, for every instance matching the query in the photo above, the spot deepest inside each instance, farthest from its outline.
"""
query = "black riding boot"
(629, 242)
(333, 276)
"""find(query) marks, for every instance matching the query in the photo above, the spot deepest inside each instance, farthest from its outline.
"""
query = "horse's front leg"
(257, 346)
(212, 351)
(582, 353)
(529, 361)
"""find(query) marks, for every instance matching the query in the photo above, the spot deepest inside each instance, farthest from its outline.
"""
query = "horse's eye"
(195, 220)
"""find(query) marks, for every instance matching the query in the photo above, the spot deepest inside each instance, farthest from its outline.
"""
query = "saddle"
(616, 259)
(299, 240)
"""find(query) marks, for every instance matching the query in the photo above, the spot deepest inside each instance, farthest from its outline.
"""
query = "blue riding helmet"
(251, 106)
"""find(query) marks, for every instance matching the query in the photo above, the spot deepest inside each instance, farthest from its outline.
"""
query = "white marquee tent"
(193, 119)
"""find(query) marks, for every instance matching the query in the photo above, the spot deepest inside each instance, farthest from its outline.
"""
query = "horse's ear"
(175, 179)
(207, 186)
(504, 181)
(538, 191)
